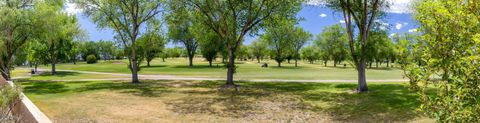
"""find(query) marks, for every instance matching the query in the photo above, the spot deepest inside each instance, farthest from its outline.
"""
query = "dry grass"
(192, 101)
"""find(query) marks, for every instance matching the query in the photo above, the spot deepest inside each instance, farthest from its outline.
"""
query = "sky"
(316, 18)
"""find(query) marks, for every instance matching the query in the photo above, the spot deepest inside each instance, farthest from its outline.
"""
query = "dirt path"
(123, 76)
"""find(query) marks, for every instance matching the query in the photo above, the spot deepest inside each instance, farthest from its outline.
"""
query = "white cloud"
(392, 34)
(398, 26)
(71, 8)
(400, 6)
(396, 6)
(412, 30)
(341, 21)
(323, 15)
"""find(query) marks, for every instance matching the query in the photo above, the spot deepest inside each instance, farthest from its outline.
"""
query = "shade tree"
(233, 20)
(126, 18)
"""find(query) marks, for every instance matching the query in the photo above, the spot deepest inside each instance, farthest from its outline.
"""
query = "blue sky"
(398, 19)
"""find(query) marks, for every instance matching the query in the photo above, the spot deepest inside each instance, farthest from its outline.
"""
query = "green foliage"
(279, 40)
(450, 40)
(126, 18)
(182, 27)
(9, 97)
(91, 59)
(310, 53)
(333, 43)
(15, 25)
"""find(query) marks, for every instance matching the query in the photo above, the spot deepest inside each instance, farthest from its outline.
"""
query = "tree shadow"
(153, 66)
(383, 103)
(146, 89)
(45, 88)
(199, 66)
(59, 74)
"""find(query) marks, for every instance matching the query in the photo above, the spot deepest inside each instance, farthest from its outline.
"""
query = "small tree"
(258, 49)
(333, 43)
(299, 38)
(279, 40)
(310, 53)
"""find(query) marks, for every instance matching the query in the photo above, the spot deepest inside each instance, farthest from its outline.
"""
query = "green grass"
(246, 70)
(202, 101)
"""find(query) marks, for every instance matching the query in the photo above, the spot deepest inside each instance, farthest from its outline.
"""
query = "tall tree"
(57, 31)
(299, 38)
(126, 17)
(362, 14)
(15, 26)
(233, 20)
(180, 27)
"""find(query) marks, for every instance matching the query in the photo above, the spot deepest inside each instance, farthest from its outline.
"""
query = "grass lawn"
(246, 70)
(202, 101)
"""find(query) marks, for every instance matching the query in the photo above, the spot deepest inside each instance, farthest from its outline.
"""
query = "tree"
(36, 53)
(105, 49)
(15, 26)
(57, 31)
(152, 43)
(89, 48)
(450, 40)
(362, 14)
(126, 19)
(258, 49)
(279, 40)
(310, 53)
(299, 38)
(181, 28)
(210, 44)
(333, 44)
(232, 20)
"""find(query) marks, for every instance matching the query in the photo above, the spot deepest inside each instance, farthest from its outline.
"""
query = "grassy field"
(202, 101)
(246, 70)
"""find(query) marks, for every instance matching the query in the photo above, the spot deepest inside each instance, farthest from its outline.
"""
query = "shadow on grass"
(59, 74)
(383, 103)
(214, 66)
(153, 66)
(146, 89)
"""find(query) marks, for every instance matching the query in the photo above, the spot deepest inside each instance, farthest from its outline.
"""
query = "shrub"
(91, 59)
(9, 97)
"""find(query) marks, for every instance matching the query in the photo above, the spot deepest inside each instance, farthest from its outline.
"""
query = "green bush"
(9, 97)
(91, 59)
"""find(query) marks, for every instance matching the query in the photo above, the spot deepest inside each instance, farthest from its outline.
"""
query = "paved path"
(122, 76)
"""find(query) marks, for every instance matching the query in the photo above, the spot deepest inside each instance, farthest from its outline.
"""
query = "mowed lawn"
(247, 70)
(203, 101)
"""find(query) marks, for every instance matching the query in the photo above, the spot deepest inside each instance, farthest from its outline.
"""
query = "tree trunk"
(296, 64)
(163, 59)
(334, 63)
(210, 63)
(52, 59)
(388, 62)
(325, 63)
(376, 64)
(190, 60)
(36, 66)
(148, 63)
(258, 59)
(134, 70)
(362, 82)
(279, 64)
(231, 68)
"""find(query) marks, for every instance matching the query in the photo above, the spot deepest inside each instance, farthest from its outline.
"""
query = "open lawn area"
(203, 101)
(246, 70)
